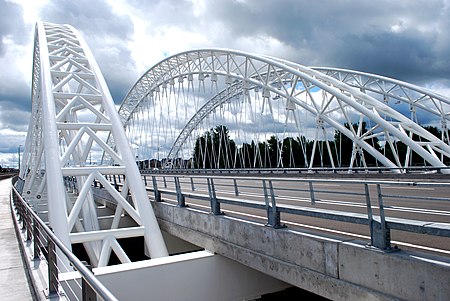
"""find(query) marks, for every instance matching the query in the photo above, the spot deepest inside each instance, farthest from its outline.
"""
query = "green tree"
(214, 149)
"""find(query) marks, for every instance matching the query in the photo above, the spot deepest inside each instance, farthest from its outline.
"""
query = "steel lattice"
(169, 108)
(72, 115)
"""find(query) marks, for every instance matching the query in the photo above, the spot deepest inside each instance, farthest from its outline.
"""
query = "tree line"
(215, 149)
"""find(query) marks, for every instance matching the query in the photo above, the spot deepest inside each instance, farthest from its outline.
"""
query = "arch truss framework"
(170, 100)
(72, 115)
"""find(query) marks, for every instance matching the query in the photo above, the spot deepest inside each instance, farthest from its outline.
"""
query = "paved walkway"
(13, 281)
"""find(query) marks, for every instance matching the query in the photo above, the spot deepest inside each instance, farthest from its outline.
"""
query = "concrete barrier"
(335, 269)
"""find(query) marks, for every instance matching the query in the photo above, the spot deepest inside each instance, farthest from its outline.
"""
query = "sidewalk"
(13, 281)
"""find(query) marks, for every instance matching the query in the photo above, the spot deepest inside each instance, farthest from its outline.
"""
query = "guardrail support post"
(369, 214)
(155, 190)
(381, 232)
(273, 215)
(88, 294)
(311, 193)
(236, 191)
(192, 184)
(180, 196)
(215, 205)
(52, 269)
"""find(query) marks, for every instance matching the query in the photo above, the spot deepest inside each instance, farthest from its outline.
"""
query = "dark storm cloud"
(14, 90)
(406, 56)
(395, 38)
(106, 33)
(166, 12)
(93, 18)
(15, 118)
(12, 26)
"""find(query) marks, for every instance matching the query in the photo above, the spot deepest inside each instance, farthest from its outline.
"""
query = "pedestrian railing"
(47, 247)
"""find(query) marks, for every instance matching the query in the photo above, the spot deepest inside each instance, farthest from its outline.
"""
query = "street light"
(18, 152)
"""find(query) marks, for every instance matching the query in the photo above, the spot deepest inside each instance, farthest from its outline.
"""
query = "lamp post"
(18, 152)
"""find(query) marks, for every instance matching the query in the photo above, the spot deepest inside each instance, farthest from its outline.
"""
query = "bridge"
(227, 175)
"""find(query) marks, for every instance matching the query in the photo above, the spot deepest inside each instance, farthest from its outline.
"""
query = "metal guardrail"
(296, 170)
(270, 193)
(46, 243)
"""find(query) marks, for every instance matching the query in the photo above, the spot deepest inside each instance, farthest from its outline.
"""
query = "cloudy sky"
(407, 40)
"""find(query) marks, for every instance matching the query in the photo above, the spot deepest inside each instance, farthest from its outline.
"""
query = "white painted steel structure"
(72, 115)
(169, 108)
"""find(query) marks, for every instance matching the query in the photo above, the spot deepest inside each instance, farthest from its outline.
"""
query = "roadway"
(420, 199)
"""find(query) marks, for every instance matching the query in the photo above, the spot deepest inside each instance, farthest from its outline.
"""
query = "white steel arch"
(295, 84)
(392, 90)
(72, 115)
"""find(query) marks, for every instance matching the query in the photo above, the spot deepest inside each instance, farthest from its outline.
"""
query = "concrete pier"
(13, 280)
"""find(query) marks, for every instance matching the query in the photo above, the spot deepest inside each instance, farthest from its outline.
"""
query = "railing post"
(52, 269)
(311, 193)
(18, 206)
(19, 185)
(215, 205)
(192, 184)
(87, 292)
(273, 215)
(180, 196)
(29, 227)
(266, 195)
(236, 191)
(36, 250)
(369, 214)
(155, 190)
(381, 231)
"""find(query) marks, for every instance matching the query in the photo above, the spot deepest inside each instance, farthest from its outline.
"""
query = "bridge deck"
(13, 280)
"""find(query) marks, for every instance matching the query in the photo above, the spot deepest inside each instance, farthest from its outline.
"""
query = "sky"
(402, 39)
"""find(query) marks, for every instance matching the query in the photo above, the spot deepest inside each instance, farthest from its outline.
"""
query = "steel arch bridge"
(218, 107)
(191, 101)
